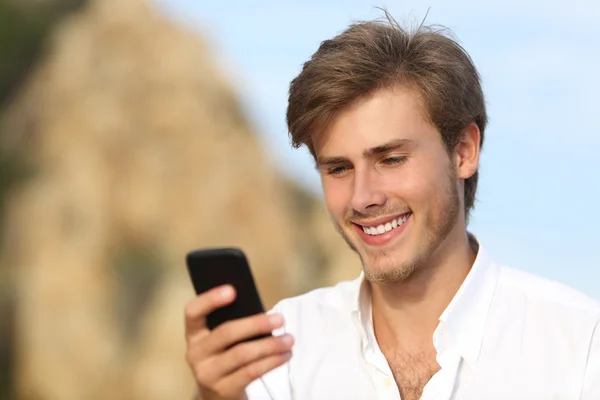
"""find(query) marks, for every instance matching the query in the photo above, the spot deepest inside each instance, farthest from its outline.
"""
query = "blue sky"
(540, 64)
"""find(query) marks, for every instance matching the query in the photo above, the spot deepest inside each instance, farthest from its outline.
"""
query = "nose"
(367, 192)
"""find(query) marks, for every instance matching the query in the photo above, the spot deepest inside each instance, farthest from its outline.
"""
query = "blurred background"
(133, 131)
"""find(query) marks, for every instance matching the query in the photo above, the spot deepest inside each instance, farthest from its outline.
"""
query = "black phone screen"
(209, 268)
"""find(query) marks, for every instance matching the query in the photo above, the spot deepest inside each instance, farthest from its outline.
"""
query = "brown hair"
(374, 55)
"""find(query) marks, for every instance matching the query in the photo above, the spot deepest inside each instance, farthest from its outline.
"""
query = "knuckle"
(273, 345)
(264, 348)
(268, 346)
(190, 309)
(252, 372)
(199, 369)
(261, 321)
(241, 355)
(192, 359)
(200, 377)
(227, 332)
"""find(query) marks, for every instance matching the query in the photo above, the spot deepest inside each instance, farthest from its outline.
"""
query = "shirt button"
(387, 382)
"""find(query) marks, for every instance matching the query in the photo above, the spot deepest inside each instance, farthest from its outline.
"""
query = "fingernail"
(287, 339)
(275, 319)
(226, 292)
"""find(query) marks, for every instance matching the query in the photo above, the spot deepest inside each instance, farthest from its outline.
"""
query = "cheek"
(336, 196)
(413, 183)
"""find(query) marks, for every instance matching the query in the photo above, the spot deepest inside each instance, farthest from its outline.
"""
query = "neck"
(406, 314)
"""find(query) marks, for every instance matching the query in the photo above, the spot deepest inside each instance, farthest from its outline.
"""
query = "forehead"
(386, 115)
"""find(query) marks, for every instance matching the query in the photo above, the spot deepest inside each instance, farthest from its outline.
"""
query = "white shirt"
(505, 335)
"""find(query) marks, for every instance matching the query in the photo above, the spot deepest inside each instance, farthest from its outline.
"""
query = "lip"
(380, 220)
(385, 238)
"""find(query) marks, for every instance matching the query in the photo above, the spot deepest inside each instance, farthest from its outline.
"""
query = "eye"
(394, 160)
(336, 170)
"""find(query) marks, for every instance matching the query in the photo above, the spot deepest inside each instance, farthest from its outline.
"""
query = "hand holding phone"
(210, 268)
(228, 335)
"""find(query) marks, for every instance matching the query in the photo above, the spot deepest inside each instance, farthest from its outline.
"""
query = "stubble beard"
(437, 228)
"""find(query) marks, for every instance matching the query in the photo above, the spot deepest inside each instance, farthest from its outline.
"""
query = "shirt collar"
(464, 318)
(466, 315)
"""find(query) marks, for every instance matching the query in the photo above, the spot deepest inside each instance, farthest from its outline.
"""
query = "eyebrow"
(384, 148)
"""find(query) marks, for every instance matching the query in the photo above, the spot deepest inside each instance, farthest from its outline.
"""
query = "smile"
(387, 226)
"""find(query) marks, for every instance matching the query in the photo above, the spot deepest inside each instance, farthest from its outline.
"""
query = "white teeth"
(378, 230)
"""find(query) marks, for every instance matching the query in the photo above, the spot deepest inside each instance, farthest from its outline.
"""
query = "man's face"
(389, 184)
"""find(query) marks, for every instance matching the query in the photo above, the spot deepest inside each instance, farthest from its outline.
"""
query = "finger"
(198, 308)
(246, 353)
(209, 371)
(239, 380)
(233, 332)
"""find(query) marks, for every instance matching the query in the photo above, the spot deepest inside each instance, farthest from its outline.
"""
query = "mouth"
(381, 231)
(387, 226)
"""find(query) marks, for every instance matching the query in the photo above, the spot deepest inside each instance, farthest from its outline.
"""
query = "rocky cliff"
(137, 151)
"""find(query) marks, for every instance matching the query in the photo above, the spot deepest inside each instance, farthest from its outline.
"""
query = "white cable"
(267, 388)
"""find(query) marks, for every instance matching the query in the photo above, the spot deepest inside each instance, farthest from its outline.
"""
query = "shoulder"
(546, 292)
(565, 317)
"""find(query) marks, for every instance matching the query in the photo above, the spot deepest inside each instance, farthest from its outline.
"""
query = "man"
(395, 121)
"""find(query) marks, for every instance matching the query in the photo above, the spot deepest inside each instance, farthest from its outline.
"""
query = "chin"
(380, 267)
(391, 262)
(380, 264)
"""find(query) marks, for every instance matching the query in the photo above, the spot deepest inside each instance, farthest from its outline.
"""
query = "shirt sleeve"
(275, 385)
(591, 382)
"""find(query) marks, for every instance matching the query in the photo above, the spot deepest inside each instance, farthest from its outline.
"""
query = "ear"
(467, 152)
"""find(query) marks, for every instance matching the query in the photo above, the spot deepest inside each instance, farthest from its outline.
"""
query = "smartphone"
(209, 268)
